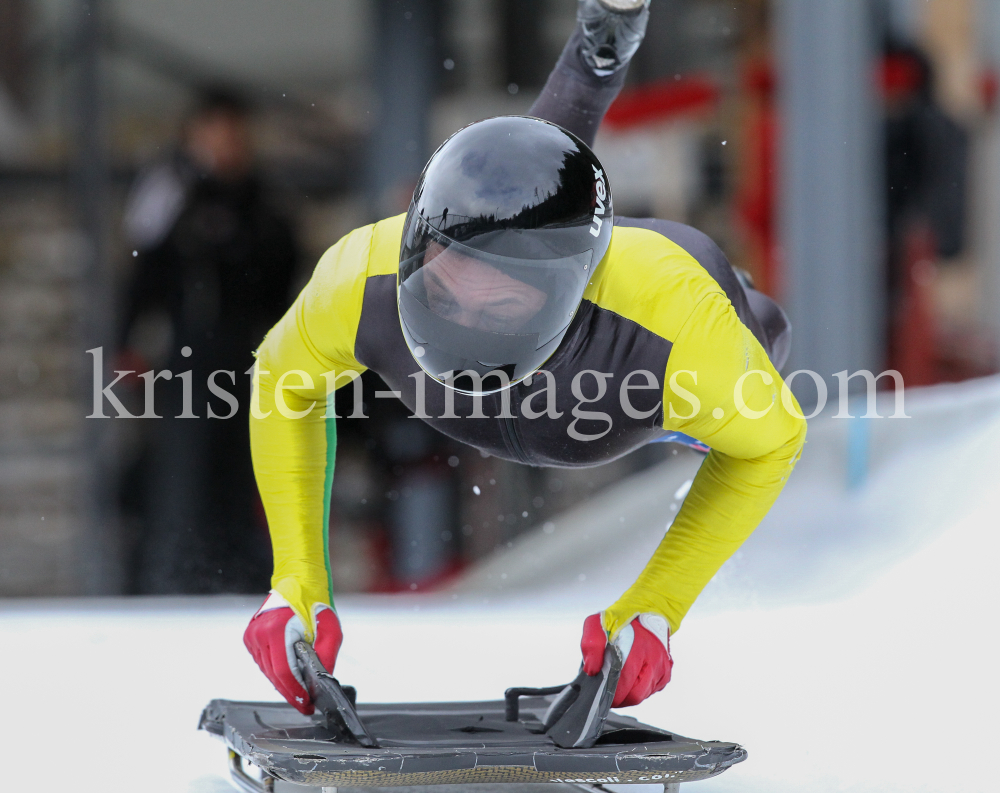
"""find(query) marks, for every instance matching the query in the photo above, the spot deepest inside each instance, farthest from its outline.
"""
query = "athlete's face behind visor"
(474, 294)
(479, 321)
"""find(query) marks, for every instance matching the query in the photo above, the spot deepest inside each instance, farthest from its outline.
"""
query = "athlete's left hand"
(271, 636)
(645, 646)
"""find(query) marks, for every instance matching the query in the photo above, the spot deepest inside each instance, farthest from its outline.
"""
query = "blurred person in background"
(926, 153)
(926, 176)
(214, 260)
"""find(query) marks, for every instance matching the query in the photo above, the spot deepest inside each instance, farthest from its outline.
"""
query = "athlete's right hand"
(271, 635)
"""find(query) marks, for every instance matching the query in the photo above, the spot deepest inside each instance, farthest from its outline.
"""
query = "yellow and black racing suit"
(652, 306)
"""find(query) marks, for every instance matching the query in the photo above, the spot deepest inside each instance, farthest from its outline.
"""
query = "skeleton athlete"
(507, 291)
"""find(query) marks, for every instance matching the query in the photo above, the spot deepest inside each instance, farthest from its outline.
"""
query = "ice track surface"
(851, 645)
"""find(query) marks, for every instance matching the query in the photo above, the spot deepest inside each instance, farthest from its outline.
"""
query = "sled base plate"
(457, 743)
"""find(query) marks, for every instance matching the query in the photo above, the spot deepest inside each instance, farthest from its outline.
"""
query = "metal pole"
(100, 572)
(831, 178)
(404, 82)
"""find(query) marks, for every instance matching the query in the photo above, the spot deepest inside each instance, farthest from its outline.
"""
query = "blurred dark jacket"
(216, 257)
(214, 262)
(926, 151)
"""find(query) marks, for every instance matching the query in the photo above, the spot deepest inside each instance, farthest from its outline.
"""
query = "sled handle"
(330, 699)
(511, 695)
(576, 719)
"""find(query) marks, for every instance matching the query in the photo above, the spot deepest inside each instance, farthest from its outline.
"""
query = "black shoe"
(612, 32)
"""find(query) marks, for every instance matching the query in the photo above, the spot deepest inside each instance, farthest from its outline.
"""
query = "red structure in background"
(899, 76)
(757, 196)
(921, 349)
(663, 100)
(913, 330)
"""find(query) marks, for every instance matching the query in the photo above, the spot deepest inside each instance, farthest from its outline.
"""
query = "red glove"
(271, 635)
(645, 646)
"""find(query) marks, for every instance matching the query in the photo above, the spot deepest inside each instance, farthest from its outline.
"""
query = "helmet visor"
(467, 307)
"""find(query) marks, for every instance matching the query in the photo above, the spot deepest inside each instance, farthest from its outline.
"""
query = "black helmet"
(508, 221)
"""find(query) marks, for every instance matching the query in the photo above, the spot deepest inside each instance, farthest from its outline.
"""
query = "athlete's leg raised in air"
(591, 70)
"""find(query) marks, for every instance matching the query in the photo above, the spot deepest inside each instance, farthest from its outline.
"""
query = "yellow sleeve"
(755, 443)
(305, 357)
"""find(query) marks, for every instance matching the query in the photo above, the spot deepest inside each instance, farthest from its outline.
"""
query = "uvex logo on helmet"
(602, 193)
